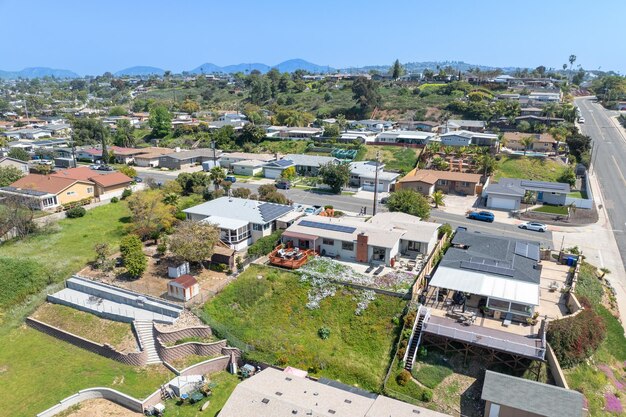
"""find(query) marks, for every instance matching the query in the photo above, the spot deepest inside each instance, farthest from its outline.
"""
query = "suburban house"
(150, 156)
(287, 132)
(404, 137)
(360, 136)
(469, 125)
(16, 163)
(531, 111)
(183, 288)
(229, 158)
(363, 175)
(507, 194)
(274, 169)
(309, 165)
(373, 125)
(426, 181)
(383, 239)
(122, 155)
(47, 192)
(107, 184)
(248, 167)
(241, 221)
(184, 159)
(542, 142)
(467, 138)
(531, 398)
(503, 272)
(423, 126)
(288, 393)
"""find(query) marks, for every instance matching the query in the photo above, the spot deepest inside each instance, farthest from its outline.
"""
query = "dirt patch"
(99, 408)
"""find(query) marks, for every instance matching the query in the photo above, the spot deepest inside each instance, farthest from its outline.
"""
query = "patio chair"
(507, 320)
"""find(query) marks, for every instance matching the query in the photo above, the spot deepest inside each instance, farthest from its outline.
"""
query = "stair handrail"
(417, 317)
(419, 336)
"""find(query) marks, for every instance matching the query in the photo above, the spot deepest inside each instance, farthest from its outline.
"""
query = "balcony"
(290, 258)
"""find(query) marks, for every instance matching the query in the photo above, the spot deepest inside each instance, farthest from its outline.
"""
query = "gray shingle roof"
(531, 185)
(494, 255)
(310, 160)
(530, 396)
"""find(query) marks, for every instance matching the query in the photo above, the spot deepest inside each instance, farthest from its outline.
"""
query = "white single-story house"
(363, 175)
(296, 133)
(248, 167)
(229, 158)
(508, 193)
(241, 221)
(382, 240)
(405, 137)
(309, 165)
(275, 169)
(184, 288)
(467, 138)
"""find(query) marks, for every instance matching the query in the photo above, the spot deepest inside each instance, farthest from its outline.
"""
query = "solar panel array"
(271, 211)
(543, 184)
(25, 191)
(328, 226)
(283, 162)
(489, 266)
(527, 250)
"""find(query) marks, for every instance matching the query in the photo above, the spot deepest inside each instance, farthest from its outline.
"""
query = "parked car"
(298, 207)
(384, 200)
(581, 120)
(283, 184)
(231, 178)
(137, 179)
(485, 216)
(313, 210)
(537, 227)
(104, 168)
(94, 166)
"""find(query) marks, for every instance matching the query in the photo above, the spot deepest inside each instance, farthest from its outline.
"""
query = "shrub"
(323, 332)
(576, 338)
(115, 200)
(239, 263)
(130, 243)
(265, 245)
(403, 377)
(162, 248)
(445, 229)
(126, 193)
(135, 263)
(75, 212)
(427, 395)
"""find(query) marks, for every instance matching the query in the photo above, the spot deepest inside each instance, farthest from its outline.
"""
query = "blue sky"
(92, 36)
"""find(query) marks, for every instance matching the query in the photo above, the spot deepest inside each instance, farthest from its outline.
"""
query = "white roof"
(406, 134)
(487, 285)
(225, 222)
(241, 209)
(416, 230)
(250, 163)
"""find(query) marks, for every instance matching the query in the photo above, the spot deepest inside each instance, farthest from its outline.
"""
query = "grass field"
(431, 372)
(562, 210)
(87, 325)
(226, 383)
(394, 157)
(58, 251)
(37, 370)
(187, 361)
(540, 169)
(270, 314)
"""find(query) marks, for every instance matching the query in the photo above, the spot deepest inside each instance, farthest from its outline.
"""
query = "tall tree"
(527, 141)
(572, 59)
(124, 134)
(396, 70)
(194, 241)
(366, 94)
(216, 174)
(160, 121)
(9, 174)
(409, 202)
(335, 176)
(438, 198)
(149, 214)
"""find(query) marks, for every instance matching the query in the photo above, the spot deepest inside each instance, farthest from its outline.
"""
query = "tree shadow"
(471, 404)
(126, 220)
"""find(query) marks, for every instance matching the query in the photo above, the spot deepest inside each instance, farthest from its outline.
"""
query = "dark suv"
(283, 185)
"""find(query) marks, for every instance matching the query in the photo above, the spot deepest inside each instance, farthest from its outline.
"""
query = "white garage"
(503, 202)
(504, 195)
(275, 169)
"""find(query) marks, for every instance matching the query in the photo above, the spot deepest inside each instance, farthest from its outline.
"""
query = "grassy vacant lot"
(270, 314)
(540, 169)
(285, 146)
(189, 360)
(87, 325)
(562, 210)
(57, 252)
(37, 370)
(604, 373)
(394, 157)
(226, 383)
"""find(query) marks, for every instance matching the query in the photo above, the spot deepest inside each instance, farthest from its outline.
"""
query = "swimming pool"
(528, 153)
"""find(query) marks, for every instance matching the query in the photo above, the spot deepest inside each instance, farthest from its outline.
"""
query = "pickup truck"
(313, 210)
(485, 216)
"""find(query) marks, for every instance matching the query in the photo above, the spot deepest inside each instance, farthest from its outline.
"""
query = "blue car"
(485, 216)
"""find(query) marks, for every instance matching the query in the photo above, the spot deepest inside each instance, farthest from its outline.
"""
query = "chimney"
(361, 247)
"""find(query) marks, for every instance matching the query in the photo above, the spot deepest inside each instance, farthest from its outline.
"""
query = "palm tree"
(438, 197)
(216, 174)
(571, 209)
(527, 141)
(572, 59)
(487, 164)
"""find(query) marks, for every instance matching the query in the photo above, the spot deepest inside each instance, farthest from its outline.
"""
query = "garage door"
(272, 173)
(503, 203)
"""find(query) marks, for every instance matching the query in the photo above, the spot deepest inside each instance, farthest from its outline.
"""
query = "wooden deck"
(290, 262)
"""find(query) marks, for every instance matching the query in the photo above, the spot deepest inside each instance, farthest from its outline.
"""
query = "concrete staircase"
(146, 335)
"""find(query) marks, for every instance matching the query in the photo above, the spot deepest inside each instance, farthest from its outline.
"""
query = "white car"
(537, 227)
(581, 120)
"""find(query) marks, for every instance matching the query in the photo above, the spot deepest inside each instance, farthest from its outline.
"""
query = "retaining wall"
(171, 353)
(555, 368)
(208, 366)
(94, 393)
(172, 336)
(134, 359)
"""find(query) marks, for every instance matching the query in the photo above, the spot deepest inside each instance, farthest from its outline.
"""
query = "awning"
(296, 235)
(486, 285)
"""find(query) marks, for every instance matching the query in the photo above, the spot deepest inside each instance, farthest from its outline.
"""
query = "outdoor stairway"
(416, 336)
(146, 335)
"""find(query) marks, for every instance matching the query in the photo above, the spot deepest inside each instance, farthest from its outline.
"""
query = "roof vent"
(347, 401)
(265, 400)
(279, 393)
(331, 411)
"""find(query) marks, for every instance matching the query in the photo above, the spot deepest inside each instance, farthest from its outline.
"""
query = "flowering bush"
(364, 299)
(612, 404)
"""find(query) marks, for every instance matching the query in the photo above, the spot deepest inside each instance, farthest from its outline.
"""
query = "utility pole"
(375, 185)
(214, 158)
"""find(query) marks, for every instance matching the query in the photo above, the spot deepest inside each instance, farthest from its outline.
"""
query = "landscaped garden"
(559, 210)
(37, 371)
(540, 169)
(266, 312)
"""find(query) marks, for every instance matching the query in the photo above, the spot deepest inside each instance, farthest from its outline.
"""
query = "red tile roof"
(88, 174)
(109, 180)
(46, 183)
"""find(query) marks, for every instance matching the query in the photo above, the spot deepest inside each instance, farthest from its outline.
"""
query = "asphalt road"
(608, 164)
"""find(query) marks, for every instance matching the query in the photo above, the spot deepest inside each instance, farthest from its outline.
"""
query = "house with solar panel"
(241, 221)
(507, 194)
(383, 239)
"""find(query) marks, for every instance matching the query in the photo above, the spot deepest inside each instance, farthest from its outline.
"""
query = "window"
(414, 246)
(347, 245)
(329, 242)
(90, 189)
(51, 201)
(465, 184)
(70, 193)
(267, 226)
(257, 227)
(442, 182)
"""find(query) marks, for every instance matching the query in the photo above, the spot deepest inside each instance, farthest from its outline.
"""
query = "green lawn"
(226, 383)
(394, 157)
(270, 314)
(86, 325)
(37, 370)
(432, 371)
(575, 194)
(55, 253)
(189, 360)
(562, 210)
(540, 169)
(285, 146)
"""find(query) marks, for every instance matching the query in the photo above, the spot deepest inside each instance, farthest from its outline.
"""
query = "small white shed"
(183, 288)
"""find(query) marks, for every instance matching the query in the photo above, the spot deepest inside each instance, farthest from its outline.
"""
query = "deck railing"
(290, 263)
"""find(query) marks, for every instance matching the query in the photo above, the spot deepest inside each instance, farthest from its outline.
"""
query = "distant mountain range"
(291, 65)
